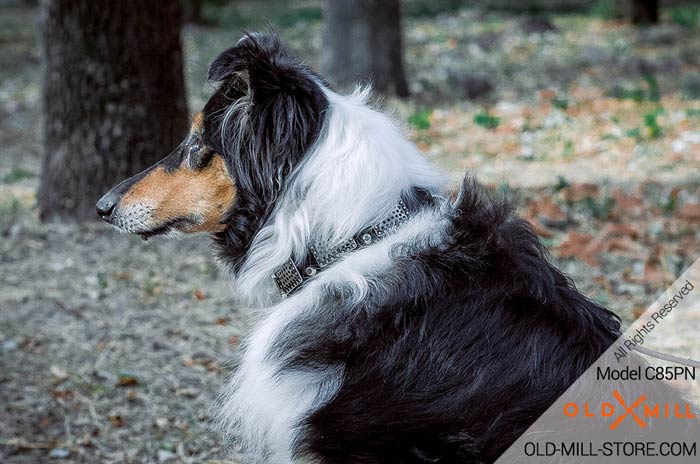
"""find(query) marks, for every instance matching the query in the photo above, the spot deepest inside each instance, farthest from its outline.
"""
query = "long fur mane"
(402, 350)
(330, 196)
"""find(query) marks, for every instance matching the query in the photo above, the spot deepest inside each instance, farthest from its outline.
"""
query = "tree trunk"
(113, 97)
(193, 10)
(363, 42)
(645, 11)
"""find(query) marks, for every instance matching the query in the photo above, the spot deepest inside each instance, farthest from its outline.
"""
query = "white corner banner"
(638, 403)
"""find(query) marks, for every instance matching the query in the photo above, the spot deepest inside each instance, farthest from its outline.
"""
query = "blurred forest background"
(585, 112)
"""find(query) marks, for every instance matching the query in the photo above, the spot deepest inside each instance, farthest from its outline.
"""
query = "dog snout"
(105, 205)
(108, 203)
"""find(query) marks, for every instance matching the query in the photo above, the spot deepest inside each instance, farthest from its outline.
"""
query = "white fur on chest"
(265, 408)
(352, 177)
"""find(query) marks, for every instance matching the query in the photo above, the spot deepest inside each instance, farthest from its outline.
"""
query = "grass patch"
(102, 280)
(10, 207)
(17, 175)
(423, 9)
(636, 94)
(561, 184)
(605, 9)
(300, 15)
(152, 286)
(691, 86)
(686, 16)
(635, 133)
(664, 200)
(10, 211)
(486, 119)
(568, 150)
(507, 192)
(651, 123)
(560, 103)
(668, 204)
(653, 92)
(651, 129)
(273, 14)
(599, 209)
(420, 120)
(639, 93)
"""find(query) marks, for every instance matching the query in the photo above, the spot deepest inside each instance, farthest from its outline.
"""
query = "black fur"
(456, 353)
(283, 119)
(456, 350)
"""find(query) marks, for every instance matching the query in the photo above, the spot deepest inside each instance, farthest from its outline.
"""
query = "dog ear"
(282, 115)
(264, 63)
(231, 61)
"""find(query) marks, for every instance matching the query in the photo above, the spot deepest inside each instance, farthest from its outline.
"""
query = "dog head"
(262, 119)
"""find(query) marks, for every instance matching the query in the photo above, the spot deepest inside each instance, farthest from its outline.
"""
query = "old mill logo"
(637, 410)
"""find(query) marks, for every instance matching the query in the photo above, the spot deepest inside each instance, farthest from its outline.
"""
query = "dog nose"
(105, 205)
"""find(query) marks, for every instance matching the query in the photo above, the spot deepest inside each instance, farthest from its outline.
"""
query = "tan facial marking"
(204, 194)
(197, 122)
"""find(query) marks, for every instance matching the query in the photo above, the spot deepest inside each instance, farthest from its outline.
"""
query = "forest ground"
(113, 349)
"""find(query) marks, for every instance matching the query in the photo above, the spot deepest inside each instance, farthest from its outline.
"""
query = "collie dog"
(393, 324)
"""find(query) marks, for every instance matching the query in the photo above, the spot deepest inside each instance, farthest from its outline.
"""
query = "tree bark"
(193, 10)
(113, 97)
(645, 11)
(363, 42)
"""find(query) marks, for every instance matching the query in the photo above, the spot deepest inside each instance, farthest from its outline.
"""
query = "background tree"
(363, 41)
(645, 11)
(113, 96)
(193, 11)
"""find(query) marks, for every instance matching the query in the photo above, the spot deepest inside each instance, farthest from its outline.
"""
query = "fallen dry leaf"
(45, 422)
(124, 275)
(583, 247)
(620, 244)
(547, 211)
(127, 380)
(116, 420)
(62, 394)
(580, 191)
(627, 204)
(622, 229)
(689, 212)
(638, 311)
(540, 229)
